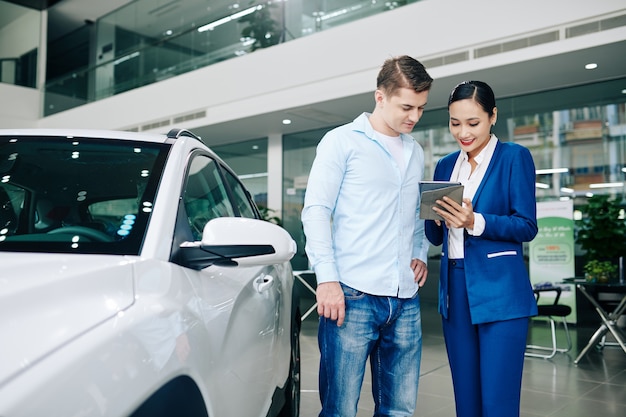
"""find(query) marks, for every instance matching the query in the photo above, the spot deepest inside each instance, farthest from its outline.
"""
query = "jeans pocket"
(350, 293)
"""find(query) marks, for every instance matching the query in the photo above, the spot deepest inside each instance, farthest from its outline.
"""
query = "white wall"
(19, 106)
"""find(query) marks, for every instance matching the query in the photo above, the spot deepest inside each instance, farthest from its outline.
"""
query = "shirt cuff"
(421, 252)
(479, 225)
(326, 272)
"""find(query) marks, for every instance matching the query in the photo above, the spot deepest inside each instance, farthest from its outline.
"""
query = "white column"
(275, 174)
(556, 153)
(42, 59)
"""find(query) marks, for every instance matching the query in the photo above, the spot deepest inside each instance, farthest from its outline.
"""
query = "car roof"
(88, 133)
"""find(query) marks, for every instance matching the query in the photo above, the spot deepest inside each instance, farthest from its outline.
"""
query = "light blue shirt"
(361, 215)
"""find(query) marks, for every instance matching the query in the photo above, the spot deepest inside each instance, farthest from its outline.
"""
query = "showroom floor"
(554, 387)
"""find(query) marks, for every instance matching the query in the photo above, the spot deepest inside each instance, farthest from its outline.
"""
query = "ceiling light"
(541, 185)
(567, 190)
(551, 171)
(234, 16)
(606, 185)
(248, 176)
(624, 91)
(126, 58)
(624, 169)
(591, 65)
(340, 12)
(286, 121)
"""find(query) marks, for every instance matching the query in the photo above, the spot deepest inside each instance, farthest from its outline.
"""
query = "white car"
(137, 278)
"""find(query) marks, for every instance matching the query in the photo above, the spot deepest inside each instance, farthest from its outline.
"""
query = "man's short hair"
(403, 72)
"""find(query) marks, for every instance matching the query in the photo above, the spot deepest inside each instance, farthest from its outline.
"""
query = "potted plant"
(262, 27)
(602, 234)
(599, 271)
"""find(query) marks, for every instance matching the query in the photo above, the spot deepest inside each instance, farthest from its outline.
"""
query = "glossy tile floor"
(554, 387)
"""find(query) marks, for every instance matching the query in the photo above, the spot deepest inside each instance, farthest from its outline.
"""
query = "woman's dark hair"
(403, 72)
(478, 91)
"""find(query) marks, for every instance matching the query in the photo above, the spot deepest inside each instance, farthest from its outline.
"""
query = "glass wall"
(148, 41)
(577, 137)
(298, 155)
(20, 34)
(249, 161)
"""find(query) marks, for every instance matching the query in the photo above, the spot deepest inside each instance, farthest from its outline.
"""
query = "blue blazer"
(498, 285)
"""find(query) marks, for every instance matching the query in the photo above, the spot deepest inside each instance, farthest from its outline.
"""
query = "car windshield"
(77, 195)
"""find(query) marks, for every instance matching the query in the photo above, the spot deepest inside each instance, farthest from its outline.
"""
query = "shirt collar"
(486, 153)
(362, 124)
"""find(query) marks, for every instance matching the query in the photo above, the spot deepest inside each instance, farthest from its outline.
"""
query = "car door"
(237, 305)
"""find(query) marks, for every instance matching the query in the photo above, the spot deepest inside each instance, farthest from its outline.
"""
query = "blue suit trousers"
(486, 360)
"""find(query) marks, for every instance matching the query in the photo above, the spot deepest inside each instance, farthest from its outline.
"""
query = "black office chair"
(550, 311)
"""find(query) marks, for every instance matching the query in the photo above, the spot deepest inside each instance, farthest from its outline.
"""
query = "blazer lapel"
(494, 160)
(448, 167)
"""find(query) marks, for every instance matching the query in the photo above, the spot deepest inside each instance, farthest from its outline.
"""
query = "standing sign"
(552, 251)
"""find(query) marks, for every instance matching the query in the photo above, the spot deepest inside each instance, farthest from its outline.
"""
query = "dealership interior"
(262, 102)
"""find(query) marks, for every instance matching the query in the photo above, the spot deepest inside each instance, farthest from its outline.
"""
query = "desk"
(609, 319)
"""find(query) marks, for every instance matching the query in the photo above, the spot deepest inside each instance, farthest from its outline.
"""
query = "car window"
(119, 214)
(240, 196)
(11, 201)
(205, 195)
(77, 195)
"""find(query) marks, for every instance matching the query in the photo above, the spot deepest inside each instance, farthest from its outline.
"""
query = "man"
(367, 247)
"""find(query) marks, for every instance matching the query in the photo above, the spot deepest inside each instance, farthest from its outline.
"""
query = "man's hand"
(330, 301)
(420, 271)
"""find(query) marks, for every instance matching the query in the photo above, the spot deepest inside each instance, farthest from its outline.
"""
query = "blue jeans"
(388, 330)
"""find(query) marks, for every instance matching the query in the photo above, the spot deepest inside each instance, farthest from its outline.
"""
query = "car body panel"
(191, 333)
(71, 293)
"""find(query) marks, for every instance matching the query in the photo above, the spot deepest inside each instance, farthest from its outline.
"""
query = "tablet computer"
(431, 191)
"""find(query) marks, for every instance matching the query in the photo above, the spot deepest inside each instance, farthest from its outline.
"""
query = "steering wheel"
(87, 232)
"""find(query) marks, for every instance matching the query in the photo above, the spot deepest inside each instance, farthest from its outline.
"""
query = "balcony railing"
(137, 45)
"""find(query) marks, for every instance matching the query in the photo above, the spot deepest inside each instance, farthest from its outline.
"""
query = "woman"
(485, 296)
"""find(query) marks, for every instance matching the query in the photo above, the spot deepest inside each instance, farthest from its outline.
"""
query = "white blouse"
(471, 181)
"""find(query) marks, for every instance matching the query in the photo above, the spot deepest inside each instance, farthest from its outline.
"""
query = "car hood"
(46, 300)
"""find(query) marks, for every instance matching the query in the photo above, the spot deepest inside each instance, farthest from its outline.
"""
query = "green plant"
(261, 26)
(266, 214)
(599, 271)
(602, 233)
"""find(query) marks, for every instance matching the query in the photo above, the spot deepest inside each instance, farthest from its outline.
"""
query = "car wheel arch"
(179, 396)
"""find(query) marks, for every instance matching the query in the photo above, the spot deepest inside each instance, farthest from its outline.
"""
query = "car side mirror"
(232, 241)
